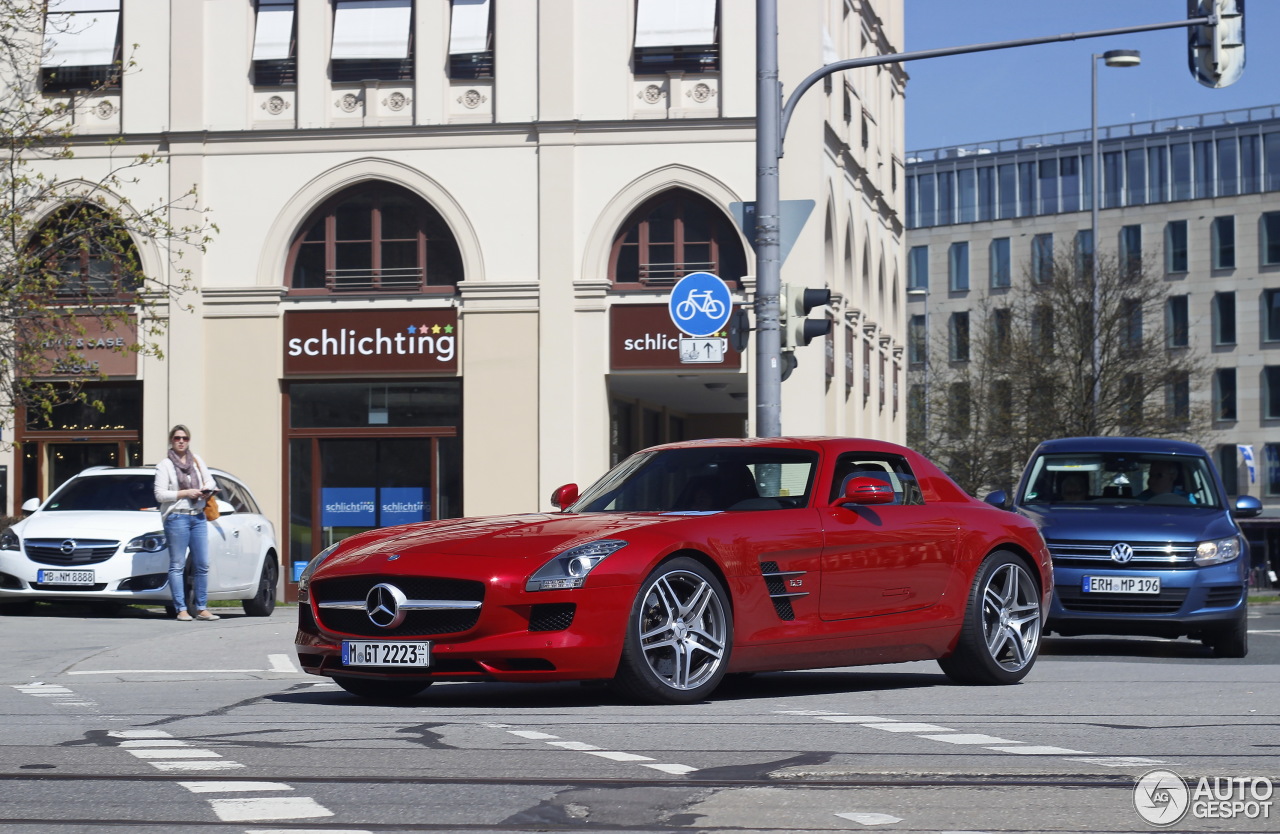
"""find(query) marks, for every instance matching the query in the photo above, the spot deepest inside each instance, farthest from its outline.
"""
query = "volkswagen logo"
(385, 605)
(68, 546)
(1122, 552)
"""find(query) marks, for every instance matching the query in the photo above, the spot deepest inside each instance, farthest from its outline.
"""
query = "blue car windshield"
(1092, 479)
(123, 493)
(710, 479)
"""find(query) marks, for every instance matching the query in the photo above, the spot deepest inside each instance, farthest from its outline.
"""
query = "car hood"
(537, 535)
(96, 524)
(1129, 522)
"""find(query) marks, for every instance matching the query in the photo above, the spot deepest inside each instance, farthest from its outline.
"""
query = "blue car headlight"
(570, 568)
(304, 579)
(149, 543)
(1217, 552)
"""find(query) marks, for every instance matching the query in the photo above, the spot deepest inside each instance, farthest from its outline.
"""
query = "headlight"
(570, 569)
(9, 541)
(304, 579)
(1217, 552)
(150, 543)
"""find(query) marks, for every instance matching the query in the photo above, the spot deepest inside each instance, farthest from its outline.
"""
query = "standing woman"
(183, 486)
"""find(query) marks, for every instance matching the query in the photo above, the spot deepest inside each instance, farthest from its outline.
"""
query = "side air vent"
(776, 581)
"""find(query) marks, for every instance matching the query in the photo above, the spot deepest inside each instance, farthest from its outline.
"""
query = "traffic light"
(797, 301)
(1216, 52)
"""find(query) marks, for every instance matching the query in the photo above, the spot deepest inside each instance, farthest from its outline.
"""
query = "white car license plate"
(64, 577)
(1121, 585)
(385, 653)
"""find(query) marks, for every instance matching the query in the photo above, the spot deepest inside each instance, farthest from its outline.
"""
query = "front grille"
(85, 551)
(1146, 555)
(552, 616)
(416, 623)
(1223, 596)
(101, 586)
(1168, 601)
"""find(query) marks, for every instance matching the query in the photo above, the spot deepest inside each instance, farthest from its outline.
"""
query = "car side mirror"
(1246, 507)
(863, 491)
(565, 496)
(999, 498)
(224, 508)
(31, 505)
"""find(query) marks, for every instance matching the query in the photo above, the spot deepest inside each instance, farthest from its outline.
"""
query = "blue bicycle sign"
(700, 304)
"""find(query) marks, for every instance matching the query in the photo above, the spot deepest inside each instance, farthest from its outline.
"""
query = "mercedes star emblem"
(1122, 552)
(385, 605)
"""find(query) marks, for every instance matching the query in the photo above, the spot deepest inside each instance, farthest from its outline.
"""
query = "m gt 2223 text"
(684, 563)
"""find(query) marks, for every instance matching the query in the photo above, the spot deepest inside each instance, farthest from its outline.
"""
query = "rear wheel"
(381, 690)
(1231, 640)
(679, 635)
(1000, 637)
(263, 603)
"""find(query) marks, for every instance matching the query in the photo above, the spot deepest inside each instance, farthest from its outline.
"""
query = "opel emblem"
(393, 557)
(1122, 552)
(385, 605)
(68, 546)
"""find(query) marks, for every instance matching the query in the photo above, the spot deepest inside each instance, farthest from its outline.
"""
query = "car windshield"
(1096, 478)
(704, 480)
(110, 493)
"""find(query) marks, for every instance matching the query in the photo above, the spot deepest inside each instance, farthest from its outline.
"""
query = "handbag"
(211, 512)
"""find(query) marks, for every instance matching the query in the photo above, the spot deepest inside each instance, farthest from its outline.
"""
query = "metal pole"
(1096, 311)
(768, 265)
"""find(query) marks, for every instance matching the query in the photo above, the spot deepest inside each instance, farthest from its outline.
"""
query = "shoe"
(206, 615)
(184, 617)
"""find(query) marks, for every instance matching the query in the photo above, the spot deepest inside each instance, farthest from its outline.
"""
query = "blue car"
(1143, 539)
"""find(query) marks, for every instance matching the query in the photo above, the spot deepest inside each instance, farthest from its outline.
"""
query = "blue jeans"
(183, 531)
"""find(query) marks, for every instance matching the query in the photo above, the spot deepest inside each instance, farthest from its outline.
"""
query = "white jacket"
(166, 486)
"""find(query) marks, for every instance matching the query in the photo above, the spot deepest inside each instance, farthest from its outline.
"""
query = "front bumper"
(125, 577)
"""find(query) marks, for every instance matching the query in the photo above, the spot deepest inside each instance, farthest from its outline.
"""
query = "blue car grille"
(1147, 555)
(1168, 601)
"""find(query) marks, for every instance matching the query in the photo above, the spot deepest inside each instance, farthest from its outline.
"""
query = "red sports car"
(686, 562)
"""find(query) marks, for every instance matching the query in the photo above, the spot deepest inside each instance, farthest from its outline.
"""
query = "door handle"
(236, 534)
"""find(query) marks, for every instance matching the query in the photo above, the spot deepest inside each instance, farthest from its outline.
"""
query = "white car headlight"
(1217, 552)
(570, 568)
(149, 543)
(9, 541)
(304, 579)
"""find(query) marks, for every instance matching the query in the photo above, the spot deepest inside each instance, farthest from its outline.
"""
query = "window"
(471, 39)
(916, 413)
(1271, 482)
(1229, 467)
(674, 234)
(959, 408)
(918, 268)
(1176, 323)
(1175, 246)
(999, 262)
(1228, 167)
(1224, 318)
(958, 331)
(1042, 258)
(892, 470)
(1271, 316)
(1271, 392)
(372, 39)
(1001, 331)
(1135, 163)
(1048, 186)
(1131, 409)
(1130, 252)
(1007, 180)
(1177, 397)
(1026, 189)
(675, 36)
(275, 39)
(375, 237)
(81, 45)
(1224, 394)
(1112, 178)
(958, 266)
(1042, 329)
(1070, 170)
(1270, 224)
(1084, 252)
(917, 335)
(88, 253)
(1131, 325)
(1224, 243)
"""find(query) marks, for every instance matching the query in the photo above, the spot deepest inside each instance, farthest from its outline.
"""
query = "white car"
(99, 538)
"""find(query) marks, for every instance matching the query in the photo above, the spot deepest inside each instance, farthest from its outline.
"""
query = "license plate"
(1121, 585)
(64, 577)
(385, 653)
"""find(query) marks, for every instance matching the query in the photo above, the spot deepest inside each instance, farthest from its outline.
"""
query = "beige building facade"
(447, 233)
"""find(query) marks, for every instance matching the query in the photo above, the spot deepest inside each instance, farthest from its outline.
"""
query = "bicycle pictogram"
(700, 302)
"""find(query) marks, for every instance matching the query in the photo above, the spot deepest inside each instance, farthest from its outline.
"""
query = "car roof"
(1132, 445)
(147, 469)
(864, 443)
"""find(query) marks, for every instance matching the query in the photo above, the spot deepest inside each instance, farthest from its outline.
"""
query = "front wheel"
(679, 635)
(1000, 637)
(263, 602)
(1231, 640)
(381, 690)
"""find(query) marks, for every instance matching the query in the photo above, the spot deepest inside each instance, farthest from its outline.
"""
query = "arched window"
(83, 252)
(374, 238)
(671, 235)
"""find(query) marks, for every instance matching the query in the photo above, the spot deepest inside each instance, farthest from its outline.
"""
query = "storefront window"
(319, 405)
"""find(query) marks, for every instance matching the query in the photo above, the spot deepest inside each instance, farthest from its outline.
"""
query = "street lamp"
(1113, 58)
